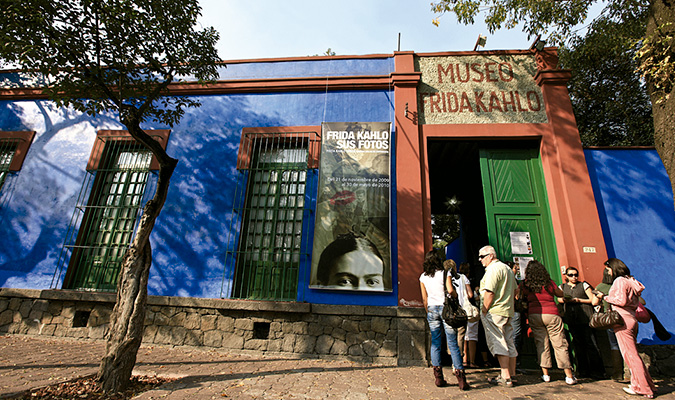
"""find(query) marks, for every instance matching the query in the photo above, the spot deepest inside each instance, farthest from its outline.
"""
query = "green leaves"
(610, 100)
(99, 55)
(554, 19)
(655, 60)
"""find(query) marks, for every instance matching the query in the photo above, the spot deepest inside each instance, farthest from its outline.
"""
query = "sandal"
(500, 381)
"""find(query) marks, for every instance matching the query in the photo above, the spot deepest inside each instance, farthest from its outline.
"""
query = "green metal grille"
(7, 151)
(273, 216)
(107, 216)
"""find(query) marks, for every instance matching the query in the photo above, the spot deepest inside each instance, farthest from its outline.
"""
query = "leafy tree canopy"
(110, 55)
(557, 20)
(610, 101)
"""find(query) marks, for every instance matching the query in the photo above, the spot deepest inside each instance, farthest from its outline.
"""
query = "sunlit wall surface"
(190, 237)
(635, 203)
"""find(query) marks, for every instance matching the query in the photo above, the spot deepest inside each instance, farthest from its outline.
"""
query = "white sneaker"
(571, 381)
(546, 378)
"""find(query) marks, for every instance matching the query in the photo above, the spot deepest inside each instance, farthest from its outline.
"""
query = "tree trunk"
(661, 12)
(128, 316)
(126, 321)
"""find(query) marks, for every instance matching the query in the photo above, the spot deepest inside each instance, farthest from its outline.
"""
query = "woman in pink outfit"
(624, 297)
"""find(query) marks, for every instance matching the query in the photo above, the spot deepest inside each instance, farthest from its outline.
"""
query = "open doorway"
(458, 208)
(457, 205)
(456, 190)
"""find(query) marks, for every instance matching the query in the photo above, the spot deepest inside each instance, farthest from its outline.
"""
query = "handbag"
(453, 314)
(641, 314)
(606, 320)
(471, 311)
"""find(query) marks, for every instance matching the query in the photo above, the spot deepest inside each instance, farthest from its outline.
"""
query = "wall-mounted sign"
(480, 89)
(520, 243)
(351, 236)
(522, 266)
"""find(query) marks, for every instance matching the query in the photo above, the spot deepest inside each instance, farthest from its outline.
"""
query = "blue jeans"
(613, 343)
(436, 324)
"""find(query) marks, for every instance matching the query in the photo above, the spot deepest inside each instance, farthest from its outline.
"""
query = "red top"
(542, 303)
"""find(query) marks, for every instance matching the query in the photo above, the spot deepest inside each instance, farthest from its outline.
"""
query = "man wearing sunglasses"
(497, 289)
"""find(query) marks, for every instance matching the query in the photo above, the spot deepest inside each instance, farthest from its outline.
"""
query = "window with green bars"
(107, 214)
(274, 215)
(7, 150)
(14, 146)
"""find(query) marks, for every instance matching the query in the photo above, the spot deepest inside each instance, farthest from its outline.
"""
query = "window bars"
(271, 215)
(106, 216)
(7, 151)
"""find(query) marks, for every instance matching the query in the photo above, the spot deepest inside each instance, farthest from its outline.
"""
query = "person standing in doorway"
(497, 289)
(519, 316)
(464, 294)
(471, 338)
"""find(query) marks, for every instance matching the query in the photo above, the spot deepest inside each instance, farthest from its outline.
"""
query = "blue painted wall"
(635, 203)
(194, 229)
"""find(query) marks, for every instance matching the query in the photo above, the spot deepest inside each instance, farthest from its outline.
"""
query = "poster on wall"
(522, 266)
(351, 236)
(521, 243)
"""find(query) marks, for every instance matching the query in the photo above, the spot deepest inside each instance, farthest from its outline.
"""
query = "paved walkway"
(29, 362)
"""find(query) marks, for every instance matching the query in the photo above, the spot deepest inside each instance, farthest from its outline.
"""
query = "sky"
(251, 29)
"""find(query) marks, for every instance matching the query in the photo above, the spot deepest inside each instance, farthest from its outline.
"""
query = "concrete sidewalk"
(30, 362)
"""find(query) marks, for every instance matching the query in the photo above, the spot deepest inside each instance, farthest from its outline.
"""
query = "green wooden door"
(516, 207)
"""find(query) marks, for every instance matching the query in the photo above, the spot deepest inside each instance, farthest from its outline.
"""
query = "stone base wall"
(382, 335)
(659, 359)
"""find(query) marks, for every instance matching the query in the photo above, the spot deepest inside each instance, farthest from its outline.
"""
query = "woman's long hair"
(432, 263)
(607, 277)
(536, 276)
(618, 268)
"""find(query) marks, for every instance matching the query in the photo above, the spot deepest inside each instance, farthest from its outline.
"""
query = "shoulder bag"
(471, 311)
(453, 314)
(609, 319)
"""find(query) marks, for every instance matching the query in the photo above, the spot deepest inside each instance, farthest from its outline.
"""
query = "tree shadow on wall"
(41, 198)
(635, 206)
(195, 227)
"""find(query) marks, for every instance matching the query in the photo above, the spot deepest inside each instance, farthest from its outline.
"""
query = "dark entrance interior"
(454, 172)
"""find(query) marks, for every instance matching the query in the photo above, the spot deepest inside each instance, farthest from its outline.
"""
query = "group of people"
(545, 301)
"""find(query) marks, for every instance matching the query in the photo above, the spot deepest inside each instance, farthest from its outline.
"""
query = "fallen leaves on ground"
(87, 388)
